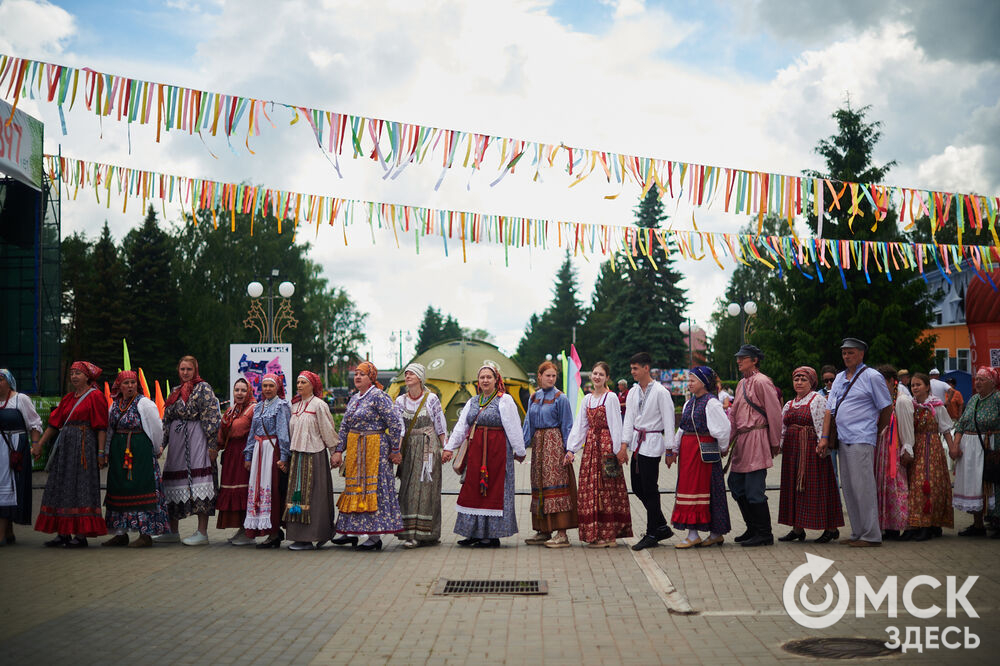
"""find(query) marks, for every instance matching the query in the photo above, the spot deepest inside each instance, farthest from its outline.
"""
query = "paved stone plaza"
(221, 604)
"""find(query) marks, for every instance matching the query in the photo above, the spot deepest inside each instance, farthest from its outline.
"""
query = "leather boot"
(761, 517)
(745, 511)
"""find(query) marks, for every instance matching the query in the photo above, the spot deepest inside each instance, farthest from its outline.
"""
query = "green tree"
(152, 300)
(102, 313)
(212, 268)
(597, 338)
(552, 331)
(75, 277)
(649, 305)
(436, 327)
(802, 321)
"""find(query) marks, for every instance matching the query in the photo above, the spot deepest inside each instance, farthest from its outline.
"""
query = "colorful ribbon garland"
(395, 145)
(775, 252)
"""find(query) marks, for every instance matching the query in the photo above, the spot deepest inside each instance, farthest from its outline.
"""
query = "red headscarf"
(271, 377)
(808, 373)
(316, 382)
(87, 368)
(368, 368)
(236, 410)
(184, 390)
(492, 367)
(992, 374)
(116, 388)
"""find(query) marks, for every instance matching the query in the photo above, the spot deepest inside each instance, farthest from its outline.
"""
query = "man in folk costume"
(649, 420)
(859, 406)
(755, 416)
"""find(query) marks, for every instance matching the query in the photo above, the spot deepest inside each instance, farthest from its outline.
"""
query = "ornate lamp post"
(393, 338)
(749, 309)
(270, 325)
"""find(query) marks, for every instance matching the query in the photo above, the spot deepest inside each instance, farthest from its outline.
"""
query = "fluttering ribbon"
(609, 240)
(396, 144)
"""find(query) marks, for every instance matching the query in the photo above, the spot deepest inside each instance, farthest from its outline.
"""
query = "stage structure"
(30, 291)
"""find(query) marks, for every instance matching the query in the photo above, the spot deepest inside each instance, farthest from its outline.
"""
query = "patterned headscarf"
(235, 410)
(495, 369)
(183, 391)
(5, 373)
(316, 382)
(992, 374)
(809, 374)
(418, 369)
(368, 369)
(705, 375)
(271, 377)
(116, 387)
(87, 368)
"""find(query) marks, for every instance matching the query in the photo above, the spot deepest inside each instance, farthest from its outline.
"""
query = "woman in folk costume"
(977, 438)
(134, 499)
(234, 484)
(21, 423)
(71, 503)
(266, 457)
(553, 483)
(894, 442)
(368, 448)
(603, 509)
(425, 432)
(495, 440)
(698, 445)
(930, 481)
(809, 499)
(190, 427)
(309, 502)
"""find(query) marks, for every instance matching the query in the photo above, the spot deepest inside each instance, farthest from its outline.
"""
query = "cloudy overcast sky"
(746, 84)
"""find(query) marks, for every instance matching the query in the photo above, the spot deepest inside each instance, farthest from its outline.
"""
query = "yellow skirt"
(361, 459)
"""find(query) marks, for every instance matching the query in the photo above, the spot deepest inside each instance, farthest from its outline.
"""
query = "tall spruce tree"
(152, 300)
(552, 331)
(435, 328)
(802, 321)
(103, 312)
(649, 306)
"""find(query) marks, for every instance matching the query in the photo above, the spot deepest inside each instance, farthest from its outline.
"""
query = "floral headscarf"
(808, 373)
(368, 368)
(990, 373)
(116, 387)
(316, 382)
(183, 392)
(5, 373)
(89, 369)
(492, 367)
(271, 377)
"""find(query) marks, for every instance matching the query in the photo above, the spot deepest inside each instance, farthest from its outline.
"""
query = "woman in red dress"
(235, 483)
(603, 509)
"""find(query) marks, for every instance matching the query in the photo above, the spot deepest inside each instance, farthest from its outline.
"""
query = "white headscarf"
(417, 369)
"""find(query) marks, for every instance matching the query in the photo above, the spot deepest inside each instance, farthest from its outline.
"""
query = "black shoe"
(76, 542)
(487, 543)
(302, 545)
(936, 531)
(794, 536)
(664, 533)
(467, 542)
(827, 536)
(923, 534)
(58, 542)
(973, 531)
(646, 542)
(907, 535)
(760, 517)
(11, 540)
(344, 540)
(371, 546)
(890, 535)
(744, 506)
(320, 544)
(273, 541)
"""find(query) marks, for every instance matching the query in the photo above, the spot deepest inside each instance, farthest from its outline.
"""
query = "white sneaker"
(196, 539)
(167, 537)
(242, 540)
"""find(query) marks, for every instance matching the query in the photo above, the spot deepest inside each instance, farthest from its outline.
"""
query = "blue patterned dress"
(370, 412)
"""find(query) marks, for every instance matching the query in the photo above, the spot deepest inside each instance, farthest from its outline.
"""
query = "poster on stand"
(253, 361)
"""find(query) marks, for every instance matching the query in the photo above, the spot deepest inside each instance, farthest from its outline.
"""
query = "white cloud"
(34, 29)
(515, 70)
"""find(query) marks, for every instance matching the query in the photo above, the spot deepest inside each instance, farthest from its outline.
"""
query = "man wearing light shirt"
(649, 420)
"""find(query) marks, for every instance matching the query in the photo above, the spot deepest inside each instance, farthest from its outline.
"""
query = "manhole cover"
(839, 648)
(445, 586)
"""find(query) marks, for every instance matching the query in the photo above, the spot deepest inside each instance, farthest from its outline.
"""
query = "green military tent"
(451, 373)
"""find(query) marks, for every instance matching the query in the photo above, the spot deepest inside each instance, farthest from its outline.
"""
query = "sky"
(747, 84)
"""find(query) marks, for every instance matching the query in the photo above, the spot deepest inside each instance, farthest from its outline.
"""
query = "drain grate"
(839, 648)
(445, 586)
